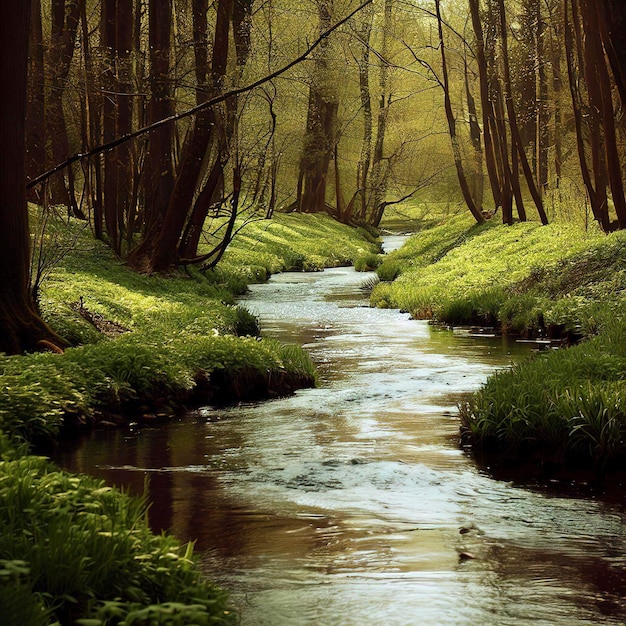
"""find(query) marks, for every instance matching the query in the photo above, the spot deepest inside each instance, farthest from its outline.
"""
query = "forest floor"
(142, 349)
(564, 410)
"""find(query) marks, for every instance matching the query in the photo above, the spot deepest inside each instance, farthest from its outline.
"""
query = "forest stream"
(351, 503)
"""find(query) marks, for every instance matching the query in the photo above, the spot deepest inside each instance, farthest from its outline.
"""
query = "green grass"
(71, 549)
(570, 401)
(181, 328)
(294, 242)
(557, 280)
(459, 273)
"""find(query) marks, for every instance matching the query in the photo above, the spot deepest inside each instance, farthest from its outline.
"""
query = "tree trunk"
(36, 110)
(487, 107)
(597, 24)
(512, 117)
(159, 175)
(615, 42)
(166, 252)
(542, 115)
(458, 162)
(365, 160)
(319, 140)
(21, 327)
(65, 14)
(380, 167)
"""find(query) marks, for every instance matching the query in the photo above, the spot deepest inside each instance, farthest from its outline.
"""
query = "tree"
(321, 125)
(445, 83)
(21, 326)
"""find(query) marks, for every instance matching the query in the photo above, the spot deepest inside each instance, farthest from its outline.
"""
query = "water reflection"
(352, 503)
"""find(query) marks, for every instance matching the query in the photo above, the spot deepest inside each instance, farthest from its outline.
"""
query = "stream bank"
(352, 503)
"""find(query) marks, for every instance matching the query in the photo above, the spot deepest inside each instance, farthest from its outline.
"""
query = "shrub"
(69, 544)
(367, 262)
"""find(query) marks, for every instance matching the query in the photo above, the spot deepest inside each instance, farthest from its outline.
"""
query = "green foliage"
(178, 326)
(72, 549)
(294, 242)
(367, 262)
(479, 308)
(528, 278)
(532, 280)
(69, 544)
(567, 400)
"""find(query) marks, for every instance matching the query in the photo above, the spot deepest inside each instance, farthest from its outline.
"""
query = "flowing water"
(351, 504)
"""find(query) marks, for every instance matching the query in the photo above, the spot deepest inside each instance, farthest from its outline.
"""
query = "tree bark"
(458, 161)
(36, 110)
(487, 106)
(21, 327)
(512, 117)
(319, 138)
(65, 14)
(159, 176)
(165, 253)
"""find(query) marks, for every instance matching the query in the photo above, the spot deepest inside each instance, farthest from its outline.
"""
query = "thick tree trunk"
(21, 328)
(512, 117)
(319, 139)
(36, 110)
(598, 190)
(165, 253)
(597, 24)
(615, 41)
(159, 172)
(487, 107)
(65, 15)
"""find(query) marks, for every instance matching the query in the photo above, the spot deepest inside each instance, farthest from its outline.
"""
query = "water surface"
(351, 504)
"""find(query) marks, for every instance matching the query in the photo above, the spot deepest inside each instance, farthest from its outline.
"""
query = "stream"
(352, 504)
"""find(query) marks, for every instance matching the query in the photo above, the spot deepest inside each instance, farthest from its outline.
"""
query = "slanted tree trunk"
(165, 251)
(597, 24)
(594, 177)
(227, 139)
(458, 160)
(21, 327)
(614, 38)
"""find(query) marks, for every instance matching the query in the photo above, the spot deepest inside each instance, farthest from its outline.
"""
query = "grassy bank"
(563, 408)
(143, 348)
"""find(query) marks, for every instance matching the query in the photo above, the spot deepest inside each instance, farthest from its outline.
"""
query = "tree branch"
(204, 105)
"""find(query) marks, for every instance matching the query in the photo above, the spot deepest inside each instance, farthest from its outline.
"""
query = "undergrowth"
(570, 401)
(73, 551)
(555, 281)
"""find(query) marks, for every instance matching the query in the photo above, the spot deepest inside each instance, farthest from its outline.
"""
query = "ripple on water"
(352, 503)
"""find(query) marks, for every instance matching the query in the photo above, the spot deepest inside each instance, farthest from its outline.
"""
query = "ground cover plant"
(566, 406)
(74, 551)
(140, 347)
